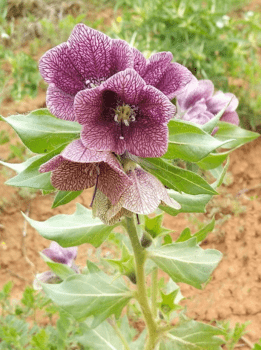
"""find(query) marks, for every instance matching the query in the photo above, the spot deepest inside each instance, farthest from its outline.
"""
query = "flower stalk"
(140, 258)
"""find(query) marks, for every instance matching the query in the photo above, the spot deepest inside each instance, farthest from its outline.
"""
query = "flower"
(90, 57)
(198, 104)
(60, 255)
(124, 113)
(78, 168)
(87, 59)
(169, 77)
(142, 197)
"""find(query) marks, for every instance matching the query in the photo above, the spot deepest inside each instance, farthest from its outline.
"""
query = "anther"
(121, 137)
(126, 122)
(116, 118)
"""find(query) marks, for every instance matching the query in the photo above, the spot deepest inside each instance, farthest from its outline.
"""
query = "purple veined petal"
(146, 139)
(88, 105)
(113, 183)
(198, 113)
(156, 66)
(220, 100)
(230, 117)
(121, 56)
(103, 136)
(77, 152)
(146, 193)
(174, 80)
(126, 84)
(61, 255)
(52, 164)
(204, 89)
(155, 106)
(90, 52)
(139, 62)
(60, 103)
(71, 176)
(56, 67)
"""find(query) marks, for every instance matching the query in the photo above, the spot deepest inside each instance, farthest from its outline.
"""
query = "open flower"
(78, 168)
(60, 255)
(198, 103)
(124, 113)
(88, 58)
(169, 77)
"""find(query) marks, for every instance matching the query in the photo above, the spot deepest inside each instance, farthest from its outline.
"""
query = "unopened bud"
(146, 240)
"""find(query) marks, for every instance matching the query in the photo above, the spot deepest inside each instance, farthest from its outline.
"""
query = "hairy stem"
(154, 292)
(140, 258)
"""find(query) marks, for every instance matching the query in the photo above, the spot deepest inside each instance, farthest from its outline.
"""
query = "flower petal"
(56, 67)
(71, 176)
(45, 277)
(157, 65)
(146, 139)
(126, 84)
(61, 255)
(220, 100)
(103, 136)
(174, 80)
(155, 105)
(230, 117)
(121, 56)
(198, 113)
(195, 91)
(139, 62)
(88, 105)
(60, 103)
(52, 164)
(90, 52)
(77, 152)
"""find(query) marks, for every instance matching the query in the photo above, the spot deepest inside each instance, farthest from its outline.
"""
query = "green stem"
(154, 292)
(119, 334)
(140, 258)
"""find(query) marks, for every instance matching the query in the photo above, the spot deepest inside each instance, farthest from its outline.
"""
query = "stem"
(119, 334)
(140, 258)
(154, 292)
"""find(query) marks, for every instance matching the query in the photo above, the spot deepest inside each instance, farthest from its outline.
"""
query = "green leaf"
(192, 335)
(30, 176)
(73, 230)
(210, 125)
(94, 294)
(176, 178)
(189, 142)
(61, 270)
(64, 197)
(189, 203)
(213, 160)
(154, 226)
(41, 132)
(200, 235)
(19, 167)
(227, 131)
(257, 346)
(221, 176)
(186, 262)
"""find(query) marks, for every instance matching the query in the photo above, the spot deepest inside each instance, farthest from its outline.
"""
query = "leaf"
(154, 226)
(189, 203)
(210, 125)
(213, 160)
(30, 176)
(176, 178)
(64, 197)
(19, 167)
(189, 142)
(200, 235)
(94, 294)
(221, 176)
(193, 335)
(61, 270)
(73, 230)
(186, 262)
(227, 131)
(41, 132)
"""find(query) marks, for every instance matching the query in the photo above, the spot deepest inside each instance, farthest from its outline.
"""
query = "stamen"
(121, 137)
(92, 85)
(126, 122)
(138, 219)
(87, 82)
(132, 118)
(116, 118)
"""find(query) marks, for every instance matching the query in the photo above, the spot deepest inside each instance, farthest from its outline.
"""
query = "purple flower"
(78, 168)
(198, 104)
(88, 58)
(124, 113)
(59, 255)
(169, 77)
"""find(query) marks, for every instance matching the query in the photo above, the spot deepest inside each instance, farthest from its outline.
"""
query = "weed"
(233, 335)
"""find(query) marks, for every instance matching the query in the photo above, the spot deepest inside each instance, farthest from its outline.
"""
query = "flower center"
(124, 115)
